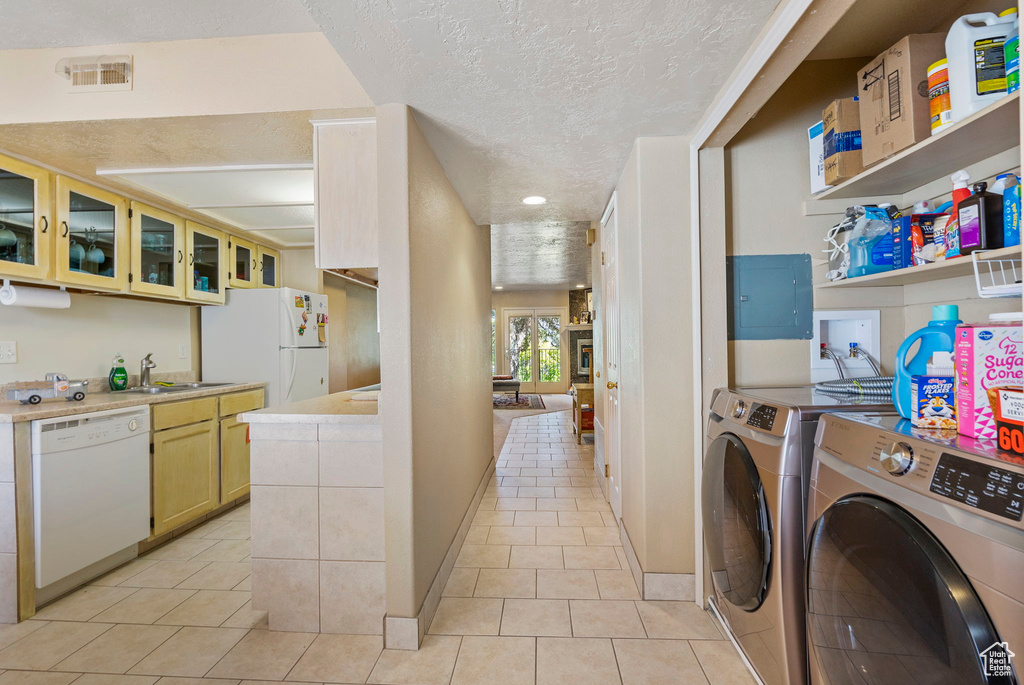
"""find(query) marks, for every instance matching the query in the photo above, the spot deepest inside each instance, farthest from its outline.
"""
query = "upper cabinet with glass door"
(242, 262)
(92, 236)
(26, 233)
(267, 264)
(158, 252)
(205, 259)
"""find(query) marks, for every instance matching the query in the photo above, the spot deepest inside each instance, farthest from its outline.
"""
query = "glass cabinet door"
(206, 254)
(25, 231)
(267, 261)
(158, 252)
(242, 263)
(92, 238)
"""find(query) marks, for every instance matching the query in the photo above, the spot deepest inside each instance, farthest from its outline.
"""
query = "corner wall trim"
(407, 633)
(678, 587)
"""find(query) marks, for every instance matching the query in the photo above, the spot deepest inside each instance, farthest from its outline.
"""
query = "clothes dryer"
(915, 556)
(760, 442)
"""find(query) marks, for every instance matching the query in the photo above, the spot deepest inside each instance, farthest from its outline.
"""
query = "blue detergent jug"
(938, 336)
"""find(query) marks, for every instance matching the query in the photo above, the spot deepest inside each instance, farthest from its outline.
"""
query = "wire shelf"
(996, 277)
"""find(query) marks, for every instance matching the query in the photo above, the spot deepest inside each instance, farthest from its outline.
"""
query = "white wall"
(82, 341)
(655, 323)
(186, 77)
(298, 270)
(435, 302)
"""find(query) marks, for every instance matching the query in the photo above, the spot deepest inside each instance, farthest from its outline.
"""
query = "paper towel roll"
(34, 297)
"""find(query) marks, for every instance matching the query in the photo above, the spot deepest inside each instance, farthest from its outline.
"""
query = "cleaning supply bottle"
(951, 236)
(1011, 55)
(1011, 211)
(118, 374)
(938, 336)
(981, 220)
(977, 62)
(870, 243)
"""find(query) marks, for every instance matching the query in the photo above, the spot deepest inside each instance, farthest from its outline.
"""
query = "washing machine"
(760, 443)
(915, 556)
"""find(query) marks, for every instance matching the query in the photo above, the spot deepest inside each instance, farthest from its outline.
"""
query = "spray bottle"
(960, 192)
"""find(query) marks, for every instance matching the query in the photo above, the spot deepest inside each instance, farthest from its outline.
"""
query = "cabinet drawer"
(183, 413)
(238, 402)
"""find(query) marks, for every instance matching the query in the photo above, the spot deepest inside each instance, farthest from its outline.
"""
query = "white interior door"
(534, 348)
(612, 431)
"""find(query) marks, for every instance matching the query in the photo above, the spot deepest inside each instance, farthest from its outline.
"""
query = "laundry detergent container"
(938, 336)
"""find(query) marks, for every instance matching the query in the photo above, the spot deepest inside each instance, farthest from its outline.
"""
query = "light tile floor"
(541, 595)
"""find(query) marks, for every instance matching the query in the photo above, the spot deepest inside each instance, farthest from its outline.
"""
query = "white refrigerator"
(275, 335)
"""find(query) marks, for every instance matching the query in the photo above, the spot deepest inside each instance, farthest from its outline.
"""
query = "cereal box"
(988, 355)
(934, 402)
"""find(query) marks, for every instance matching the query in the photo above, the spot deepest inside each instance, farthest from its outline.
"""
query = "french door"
(533, 348)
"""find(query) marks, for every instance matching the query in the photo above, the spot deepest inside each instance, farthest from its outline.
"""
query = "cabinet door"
(184, 474)
(345, 204)
(234, 459)
(158, 252)
(92, 236)
(26, 233)
(242, 263)
(206, 256)
(268, 260)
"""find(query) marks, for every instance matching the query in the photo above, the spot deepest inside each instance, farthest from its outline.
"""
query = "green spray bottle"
(118, 374)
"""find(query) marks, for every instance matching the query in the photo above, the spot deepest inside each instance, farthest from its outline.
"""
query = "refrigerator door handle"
(286, 324)
(291, 374)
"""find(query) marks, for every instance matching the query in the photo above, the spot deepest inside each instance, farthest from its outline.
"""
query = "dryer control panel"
(979, 485)
(762, 416)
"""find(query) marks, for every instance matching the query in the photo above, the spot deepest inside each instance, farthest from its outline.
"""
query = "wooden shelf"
(950, 268)
(980, 136)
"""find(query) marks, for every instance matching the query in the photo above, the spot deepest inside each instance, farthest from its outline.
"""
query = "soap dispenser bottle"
(118, 374)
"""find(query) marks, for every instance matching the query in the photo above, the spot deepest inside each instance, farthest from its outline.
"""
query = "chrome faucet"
(147, 364)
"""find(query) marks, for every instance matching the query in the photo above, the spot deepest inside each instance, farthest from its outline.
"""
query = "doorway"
(534, 353)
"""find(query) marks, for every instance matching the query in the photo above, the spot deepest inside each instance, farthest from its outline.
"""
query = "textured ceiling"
(523, 97)
(535, 256)
(62, 23)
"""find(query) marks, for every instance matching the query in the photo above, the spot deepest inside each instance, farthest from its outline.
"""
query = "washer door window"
(736, 523)
(887, 604)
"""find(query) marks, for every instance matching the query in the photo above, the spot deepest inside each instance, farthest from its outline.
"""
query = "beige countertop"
(15, 412)
(339, 407)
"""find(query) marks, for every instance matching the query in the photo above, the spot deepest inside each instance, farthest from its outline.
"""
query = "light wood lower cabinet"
(185, 474)
(234, 459)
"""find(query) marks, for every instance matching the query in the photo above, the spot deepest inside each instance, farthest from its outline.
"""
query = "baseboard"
(679, 587)
(407, 633)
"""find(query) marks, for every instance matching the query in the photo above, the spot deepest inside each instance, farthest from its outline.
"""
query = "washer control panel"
(762, 416)
(980, 485)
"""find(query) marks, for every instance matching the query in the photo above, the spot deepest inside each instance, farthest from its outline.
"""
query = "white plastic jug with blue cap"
(938, 336)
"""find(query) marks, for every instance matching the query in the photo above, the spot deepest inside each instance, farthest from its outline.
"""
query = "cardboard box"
(988, 357)
(894, 110)
(816, 143)
(842, 140)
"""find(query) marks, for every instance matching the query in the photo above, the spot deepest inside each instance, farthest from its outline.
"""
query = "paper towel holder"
(51, 299)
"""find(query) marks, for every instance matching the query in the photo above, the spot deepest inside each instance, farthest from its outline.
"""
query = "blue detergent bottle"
(938, 336)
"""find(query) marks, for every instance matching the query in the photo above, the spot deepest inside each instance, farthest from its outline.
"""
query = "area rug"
(502, 401)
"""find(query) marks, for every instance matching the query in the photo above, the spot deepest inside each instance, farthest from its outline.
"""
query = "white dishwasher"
(90, 485)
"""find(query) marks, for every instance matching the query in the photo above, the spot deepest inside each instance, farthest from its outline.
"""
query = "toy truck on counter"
(55, 385)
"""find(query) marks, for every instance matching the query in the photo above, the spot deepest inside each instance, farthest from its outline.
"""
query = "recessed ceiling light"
(499, 287)
(580, 285)
(534, 200)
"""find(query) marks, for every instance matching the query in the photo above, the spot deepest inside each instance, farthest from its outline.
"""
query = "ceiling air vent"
(95, 74)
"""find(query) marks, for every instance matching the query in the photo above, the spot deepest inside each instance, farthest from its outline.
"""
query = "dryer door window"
(736, 523)
(887, 604)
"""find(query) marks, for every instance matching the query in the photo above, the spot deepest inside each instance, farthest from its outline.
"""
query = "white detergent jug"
(977, 65)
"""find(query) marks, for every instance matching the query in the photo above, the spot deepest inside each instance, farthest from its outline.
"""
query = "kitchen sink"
(177, 387)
